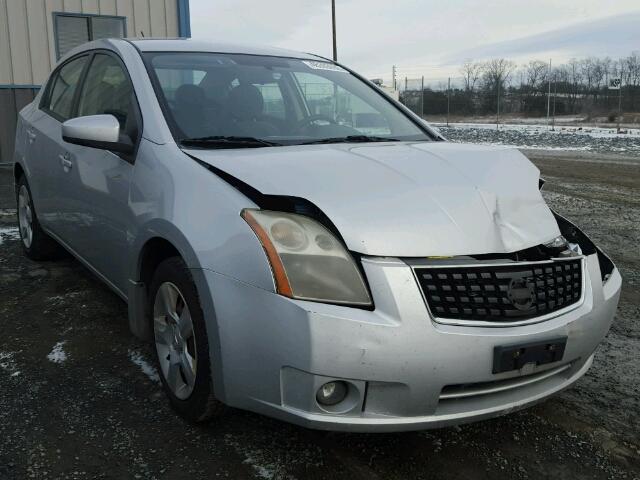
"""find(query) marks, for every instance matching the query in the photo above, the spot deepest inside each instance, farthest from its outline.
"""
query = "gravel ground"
(80, 398)
(563, 138)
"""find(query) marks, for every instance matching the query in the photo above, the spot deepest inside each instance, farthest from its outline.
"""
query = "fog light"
(331, 393)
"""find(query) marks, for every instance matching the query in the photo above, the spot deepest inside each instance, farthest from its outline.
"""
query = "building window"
(72, 30)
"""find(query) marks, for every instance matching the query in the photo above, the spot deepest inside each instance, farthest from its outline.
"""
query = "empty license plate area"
(514, 357)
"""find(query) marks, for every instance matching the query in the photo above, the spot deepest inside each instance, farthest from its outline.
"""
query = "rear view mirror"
(97, 131)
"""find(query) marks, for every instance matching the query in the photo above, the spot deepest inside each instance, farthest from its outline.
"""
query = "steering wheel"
(314, 118)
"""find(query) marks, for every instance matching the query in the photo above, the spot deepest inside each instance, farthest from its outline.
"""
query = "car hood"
(406, 199)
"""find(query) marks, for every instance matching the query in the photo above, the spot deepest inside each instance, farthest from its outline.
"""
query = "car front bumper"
(405, 371)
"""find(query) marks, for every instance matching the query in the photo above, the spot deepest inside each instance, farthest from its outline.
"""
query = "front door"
(96, 186)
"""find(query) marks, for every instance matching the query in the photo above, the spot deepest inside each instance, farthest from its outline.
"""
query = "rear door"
(45, 148)
(96, 183)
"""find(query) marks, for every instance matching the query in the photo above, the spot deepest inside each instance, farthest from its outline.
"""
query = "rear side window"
(107, 90)
(64, 85)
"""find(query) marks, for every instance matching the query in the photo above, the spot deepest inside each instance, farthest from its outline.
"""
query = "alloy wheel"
(25, 216)
(175, 340)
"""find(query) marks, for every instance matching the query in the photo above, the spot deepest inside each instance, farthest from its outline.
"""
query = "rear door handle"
(31, 134)
(65, 161)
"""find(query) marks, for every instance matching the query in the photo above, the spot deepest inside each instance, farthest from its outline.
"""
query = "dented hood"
(406, 199)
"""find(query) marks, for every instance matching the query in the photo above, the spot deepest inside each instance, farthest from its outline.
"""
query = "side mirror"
(97, 131)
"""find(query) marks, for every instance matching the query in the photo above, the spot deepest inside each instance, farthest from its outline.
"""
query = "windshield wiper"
(351, 139)
(220, 141)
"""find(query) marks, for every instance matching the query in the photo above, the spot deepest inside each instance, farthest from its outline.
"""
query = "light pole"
(333, 22)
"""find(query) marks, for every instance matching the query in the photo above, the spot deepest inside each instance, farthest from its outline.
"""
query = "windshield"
(217, 100)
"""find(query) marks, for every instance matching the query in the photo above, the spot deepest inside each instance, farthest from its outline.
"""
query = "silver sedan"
(296, 243)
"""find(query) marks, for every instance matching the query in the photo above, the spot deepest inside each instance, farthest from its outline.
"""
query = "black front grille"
(501, 293)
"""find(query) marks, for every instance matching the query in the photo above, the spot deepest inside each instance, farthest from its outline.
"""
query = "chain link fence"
(451, 100)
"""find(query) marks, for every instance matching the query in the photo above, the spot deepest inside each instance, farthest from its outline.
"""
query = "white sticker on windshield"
(323, 66)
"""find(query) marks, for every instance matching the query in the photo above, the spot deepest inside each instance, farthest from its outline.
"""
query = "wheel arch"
(158, 241)
(161, 241)
(18, 171)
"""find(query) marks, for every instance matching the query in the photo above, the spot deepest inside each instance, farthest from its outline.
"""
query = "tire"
(37, 245)
(182, 352)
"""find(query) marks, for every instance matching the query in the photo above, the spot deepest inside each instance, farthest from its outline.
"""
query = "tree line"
(579, 86)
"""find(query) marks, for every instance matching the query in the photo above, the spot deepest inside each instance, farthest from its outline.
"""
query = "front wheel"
(181, 344)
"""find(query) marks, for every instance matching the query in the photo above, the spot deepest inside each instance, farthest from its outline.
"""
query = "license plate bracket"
(513, 357)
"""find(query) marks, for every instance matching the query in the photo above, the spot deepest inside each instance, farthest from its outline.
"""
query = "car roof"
(192, 45)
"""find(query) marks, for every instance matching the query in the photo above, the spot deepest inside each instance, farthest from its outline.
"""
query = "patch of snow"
(8, 364)
(148, 369)
(263, 467)
(7, 212)
(57, 299)
(58, 355)
(541, 137)
(9, 233)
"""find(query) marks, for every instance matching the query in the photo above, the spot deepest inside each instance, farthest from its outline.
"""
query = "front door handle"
(31, 134)
(65, 162)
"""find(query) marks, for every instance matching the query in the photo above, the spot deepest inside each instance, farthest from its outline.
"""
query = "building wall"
(28, 47)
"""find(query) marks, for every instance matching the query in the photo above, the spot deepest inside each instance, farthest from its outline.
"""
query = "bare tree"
(496, 73)
(471, 72)
(536, 75)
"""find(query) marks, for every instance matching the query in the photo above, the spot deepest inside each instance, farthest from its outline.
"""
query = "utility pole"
(393, 77)
(555, 94)
(549, 94)
(619, 105)
(498, 103)
(422, 97)
(448, 98)
(333, 22)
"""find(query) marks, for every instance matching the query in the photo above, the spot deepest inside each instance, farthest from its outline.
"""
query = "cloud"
(424, 36)
(613, 36)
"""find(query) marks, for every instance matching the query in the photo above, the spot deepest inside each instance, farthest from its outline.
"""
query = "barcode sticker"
(323, 66)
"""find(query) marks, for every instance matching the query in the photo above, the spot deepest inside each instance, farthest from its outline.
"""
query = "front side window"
(63, 87)
(280, 101)
(106, 90)
(73, 30)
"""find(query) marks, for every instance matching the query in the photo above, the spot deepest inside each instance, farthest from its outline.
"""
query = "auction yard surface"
(79, 397)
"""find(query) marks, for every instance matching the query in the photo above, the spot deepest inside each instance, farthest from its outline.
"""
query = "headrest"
(189, 94)
(245, 101)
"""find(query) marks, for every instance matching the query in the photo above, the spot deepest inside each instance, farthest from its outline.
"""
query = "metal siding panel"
(6, 72)
(107, 7)
(38, 41)
(90, 6)
(51, 6)
(19, 42)
(23, 97)
(72, 6)
(8, 122)
(141, 14)
(124, 8)
(171, 10)
(184, 20)
(158, 21)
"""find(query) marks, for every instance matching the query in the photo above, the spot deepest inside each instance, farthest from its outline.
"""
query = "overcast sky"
(426, 37)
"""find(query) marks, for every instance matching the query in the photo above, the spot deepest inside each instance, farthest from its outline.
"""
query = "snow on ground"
(148, 369)
(8, 364)
(9, 233)
(592, 139)
(58, 355)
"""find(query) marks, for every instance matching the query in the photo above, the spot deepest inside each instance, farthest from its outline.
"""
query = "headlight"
(308, 262)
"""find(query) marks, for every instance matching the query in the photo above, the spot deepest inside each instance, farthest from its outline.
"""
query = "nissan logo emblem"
(521, 293)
